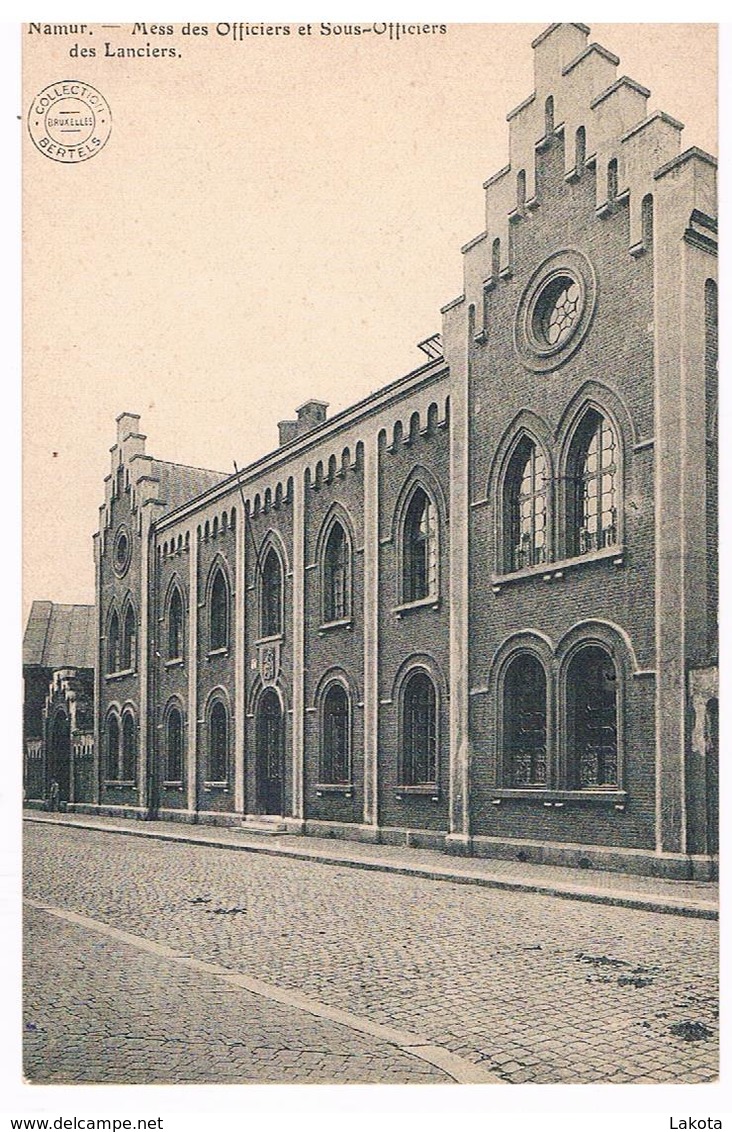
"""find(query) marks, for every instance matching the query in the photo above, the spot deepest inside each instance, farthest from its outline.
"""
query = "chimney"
(288, 431)
(309, 416)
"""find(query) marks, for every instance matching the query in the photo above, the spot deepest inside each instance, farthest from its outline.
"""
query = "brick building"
(477, 610)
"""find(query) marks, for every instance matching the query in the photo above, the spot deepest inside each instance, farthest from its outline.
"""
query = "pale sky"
(271, 220)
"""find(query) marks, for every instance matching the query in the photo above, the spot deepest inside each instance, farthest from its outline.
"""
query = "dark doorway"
(270, 746)
(59, 760)
(711, 742)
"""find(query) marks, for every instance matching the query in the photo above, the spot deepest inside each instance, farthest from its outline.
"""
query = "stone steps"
(267, 824)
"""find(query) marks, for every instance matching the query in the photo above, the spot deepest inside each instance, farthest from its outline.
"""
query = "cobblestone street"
(526, 987)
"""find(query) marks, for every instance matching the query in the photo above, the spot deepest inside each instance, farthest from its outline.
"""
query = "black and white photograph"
(370, 563)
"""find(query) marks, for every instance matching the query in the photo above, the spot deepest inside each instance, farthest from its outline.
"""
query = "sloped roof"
(60, 636)
(179, 483)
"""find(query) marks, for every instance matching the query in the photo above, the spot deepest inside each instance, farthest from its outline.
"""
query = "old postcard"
(370, 567)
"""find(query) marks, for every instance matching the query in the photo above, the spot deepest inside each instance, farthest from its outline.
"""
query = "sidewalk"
(652, 894)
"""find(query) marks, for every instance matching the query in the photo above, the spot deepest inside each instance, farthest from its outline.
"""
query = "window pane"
(218, 744)
(419, 549)
(336, 760)
(175, 630)
(129, 748)
(271, 595)
(595, 519)
(525, 508)
(524, 722)
(174, 766)
(335, 575)
(420, 731)
(592, 699)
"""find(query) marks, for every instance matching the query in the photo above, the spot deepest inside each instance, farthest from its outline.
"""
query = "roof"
(179, 483)
(60, 636)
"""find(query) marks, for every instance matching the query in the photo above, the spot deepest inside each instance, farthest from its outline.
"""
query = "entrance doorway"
(270, 749)
(59, 752)
(711, 742)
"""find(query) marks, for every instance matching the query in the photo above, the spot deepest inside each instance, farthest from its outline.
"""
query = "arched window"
(336, 757)
(549, 115)
(525, 508)
(419, 731)
(524, 722)
(580, 148)
(174, 746)
(129, 640)
(335, 575)
(592, 723)
(521, 190)
(129, 748)
(271, 594)
(647, 221)
(175, 626)
(112, 751)
(113, 654)
(594, 481)
(419, 548)
(612, 179)
(219, 612)
(218, 743)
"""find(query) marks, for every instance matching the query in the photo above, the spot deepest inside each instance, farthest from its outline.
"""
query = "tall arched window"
(612, 179)
(335, 575)
(549, 115)
(419, 548)
(524, 722)
(592, 723)
(525, 508)
(594, 480)
(113, 653)
(129, 640)
(336, 757)
(174, 746)
(647, 221)
(218, 743)
(419, 731)
(219, 612)
(129, 747)
(580, 148)
(271, 594)
(112, 751)
(521, 190)
(175, 626)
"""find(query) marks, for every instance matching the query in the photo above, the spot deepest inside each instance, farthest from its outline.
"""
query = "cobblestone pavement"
(98, 1011)
(532, 987)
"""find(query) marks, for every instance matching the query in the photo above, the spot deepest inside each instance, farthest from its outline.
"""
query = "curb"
(701, 910)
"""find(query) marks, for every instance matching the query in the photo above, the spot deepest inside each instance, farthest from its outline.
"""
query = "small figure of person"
(53, 796)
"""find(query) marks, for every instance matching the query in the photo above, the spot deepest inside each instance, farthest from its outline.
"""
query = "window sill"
(423, 791)
(120, 675)
(554, 571)
(223, 651)
(119, 782)
(178, 785)
(557, 799)
(339, 623)
(343, 788)
(269, 640)
(223, 787)
(175, 662)
(431, 602)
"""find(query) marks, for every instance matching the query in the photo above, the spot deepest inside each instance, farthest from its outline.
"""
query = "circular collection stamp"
(69, 121)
